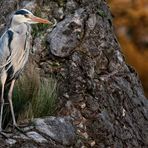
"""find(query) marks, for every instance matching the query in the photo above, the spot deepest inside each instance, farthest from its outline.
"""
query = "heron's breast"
(20, 50)
(20, 60)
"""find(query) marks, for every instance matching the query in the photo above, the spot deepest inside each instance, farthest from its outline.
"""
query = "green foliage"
(39, 29)
(43, 103)
(33, 97)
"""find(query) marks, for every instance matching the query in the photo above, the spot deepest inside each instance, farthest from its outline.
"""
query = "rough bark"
(97, 89)
(102, 94)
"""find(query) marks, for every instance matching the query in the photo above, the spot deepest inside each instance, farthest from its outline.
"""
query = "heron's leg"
(11, 107)
(3, 80)
(10, 102)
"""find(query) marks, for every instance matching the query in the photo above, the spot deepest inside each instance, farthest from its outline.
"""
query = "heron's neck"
(20, 28)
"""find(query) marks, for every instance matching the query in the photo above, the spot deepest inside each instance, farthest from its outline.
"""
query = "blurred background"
(131, 27)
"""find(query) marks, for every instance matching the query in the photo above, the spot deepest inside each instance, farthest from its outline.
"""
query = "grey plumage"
(14, 52)
(13, 60)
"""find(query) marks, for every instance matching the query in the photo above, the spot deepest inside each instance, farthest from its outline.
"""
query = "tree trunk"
(97, 89)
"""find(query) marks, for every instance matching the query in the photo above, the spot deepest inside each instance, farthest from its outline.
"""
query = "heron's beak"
(39, 20)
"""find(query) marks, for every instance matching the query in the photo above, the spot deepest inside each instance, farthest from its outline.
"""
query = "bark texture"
(97, 89)
(102, 94)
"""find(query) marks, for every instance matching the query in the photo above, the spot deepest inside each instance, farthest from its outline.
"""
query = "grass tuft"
(33, 97)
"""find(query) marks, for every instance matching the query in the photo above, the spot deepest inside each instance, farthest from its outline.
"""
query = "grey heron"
(14, 52)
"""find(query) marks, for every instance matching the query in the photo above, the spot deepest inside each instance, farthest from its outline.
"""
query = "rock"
(6, 8)
(20, 136)
(92, 21)
(36, 137)
(28, 145)
(56, 128)
(30, 5)
(10, 141)
(66, 36)
(58, 13)
(3, 143)
(71, 6)
(92, 103)
(56, 132)
(37, 45)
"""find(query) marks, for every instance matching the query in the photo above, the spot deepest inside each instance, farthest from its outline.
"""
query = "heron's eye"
(26, 15)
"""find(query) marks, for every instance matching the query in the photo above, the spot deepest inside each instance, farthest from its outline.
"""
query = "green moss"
(101, 13)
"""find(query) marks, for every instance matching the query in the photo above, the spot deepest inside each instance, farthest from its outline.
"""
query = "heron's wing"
(5, 50)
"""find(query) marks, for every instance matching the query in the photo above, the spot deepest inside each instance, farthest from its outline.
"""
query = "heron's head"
(25, 16)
